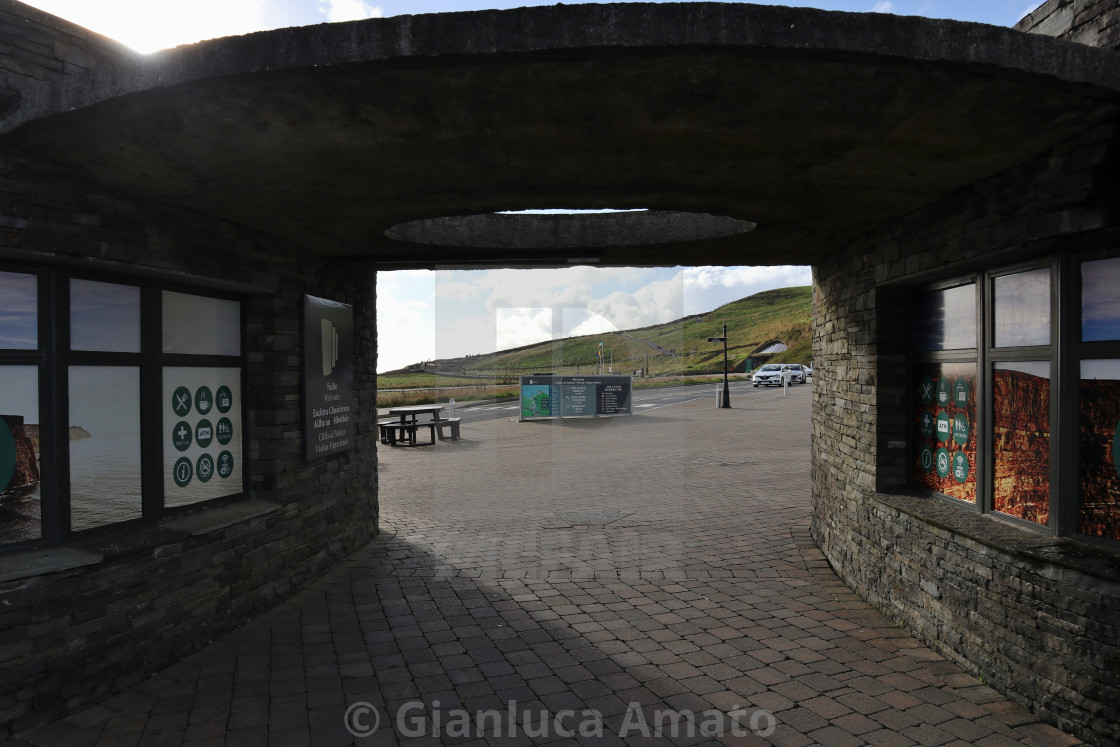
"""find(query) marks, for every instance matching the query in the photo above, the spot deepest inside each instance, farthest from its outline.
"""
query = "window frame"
(54, 358)
(1064, 353)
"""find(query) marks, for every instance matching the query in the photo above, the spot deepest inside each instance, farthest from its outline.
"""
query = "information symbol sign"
(204, 433)
(943, 462)
(205, 467)
(224, 399)
(181, 435)
(183, 472)
(224, 431)
(960, 467)
(927, 459)
(181, 401)
(225, 464)
(203, 399)
(960, 429)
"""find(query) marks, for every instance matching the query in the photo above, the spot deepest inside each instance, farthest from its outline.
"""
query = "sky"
(423, 315)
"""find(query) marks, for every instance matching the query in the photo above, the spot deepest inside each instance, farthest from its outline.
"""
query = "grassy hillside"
(676, 348)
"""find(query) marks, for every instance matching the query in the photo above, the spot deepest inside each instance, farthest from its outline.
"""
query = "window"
(943, 327)
(1007, 416)
(89, 432)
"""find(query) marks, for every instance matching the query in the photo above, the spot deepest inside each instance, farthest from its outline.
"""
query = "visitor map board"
(328, 377)
(548, 396)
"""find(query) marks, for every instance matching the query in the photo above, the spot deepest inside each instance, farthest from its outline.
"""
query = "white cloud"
(348, 10)
(148, 25)
(883, 7)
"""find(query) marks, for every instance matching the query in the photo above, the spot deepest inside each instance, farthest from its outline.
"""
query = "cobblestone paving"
(584, 582)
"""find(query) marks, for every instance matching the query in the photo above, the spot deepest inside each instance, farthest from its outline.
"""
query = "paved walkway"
(593, 578)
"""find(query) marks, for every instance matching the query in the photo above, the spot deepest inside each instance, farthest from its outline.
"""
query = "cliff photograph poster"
(328, 377)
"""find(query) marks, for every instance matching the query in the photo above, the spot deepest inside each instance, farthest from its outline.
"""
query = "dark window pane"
(1100, 448)
(1100, 300)
(104, 316)
(946, 319)
(104, 445)
(1022, 309)
(18, 311)
(200, 325)
(945, 429)
(20, 504)
(1021, 439)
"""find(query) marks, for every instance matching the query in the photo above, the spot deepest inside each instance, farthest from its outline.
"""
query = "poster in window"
(945, 429)
(329, 406)
(202, 454)
(1021, 440)
(1100, 448)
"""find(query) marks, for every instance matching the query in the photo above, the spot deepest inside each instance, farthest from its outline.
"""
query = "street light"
(726, 393)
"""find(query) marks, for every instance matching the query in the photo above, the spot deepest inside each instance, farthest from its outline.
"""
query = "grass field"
(673, 352)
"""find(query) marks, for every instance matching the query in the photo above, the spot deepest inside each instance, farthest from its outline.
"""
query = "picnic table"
(402, 432)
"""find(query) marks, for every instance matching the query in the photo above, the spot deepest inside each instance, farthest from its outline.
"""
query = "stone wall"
(1032, 615)
(105, 611)
(1092, 22)
(37, 48)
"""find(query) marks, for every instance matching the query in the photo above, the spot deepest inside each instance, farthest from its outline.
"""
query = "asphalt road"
(643, 400)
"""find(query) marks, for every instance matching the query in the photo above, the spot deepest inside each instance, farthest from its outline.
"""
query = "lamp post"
(726, 393)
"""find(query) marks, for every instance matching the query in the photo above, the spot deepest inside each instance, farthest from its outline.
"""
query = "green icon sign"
(203, 400)
(181, 435)
(7, 455)
(960, 392)
(926, 390)
(960, 467)
(224, 399)
(960, 429)
(225, 464)
(926, 459)
(944, 427)
(942, 461)
(205, 467)
(224, 431)
(183, 472)
(925, 424)
(181, 401)
(944, 392)
(204, 433)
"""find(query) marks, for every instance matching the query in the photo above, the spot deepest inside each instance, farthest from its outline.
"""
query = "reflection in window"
(201, 326)
(104, 316)
(104, 445)
(945, 429)
(1021, 439)
(1100, 448)
(19, 313)
(946, 319)
(1100, 301)
(20, 502)
(1022, 308)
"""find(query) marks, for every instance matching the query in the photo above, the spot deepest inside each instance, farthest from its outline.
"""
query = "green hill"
(679, 347)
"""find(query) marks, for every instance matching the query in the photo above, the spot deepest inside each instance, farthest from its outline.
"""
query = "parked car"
(772, 374)
(798, 373)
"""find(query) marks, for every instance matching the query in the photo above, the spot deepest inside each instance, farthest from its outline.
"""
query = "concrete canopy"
(814, 126)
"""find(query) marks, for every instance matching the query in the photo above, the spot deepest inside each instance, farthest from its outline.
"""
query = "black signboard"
(329, 407)
(547, 396)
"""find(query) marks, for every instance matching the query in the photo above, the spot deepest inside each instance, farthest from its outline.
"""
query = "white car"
(799, 373)
(772, 374)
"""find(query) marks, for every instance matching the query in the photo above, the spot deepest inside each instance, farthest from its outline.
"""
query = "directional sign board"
(548, 397)
(717, 339)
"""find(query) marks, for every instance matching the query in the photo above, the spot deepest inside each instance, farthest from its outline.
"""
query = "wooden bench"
(452, 423)
(394, 431)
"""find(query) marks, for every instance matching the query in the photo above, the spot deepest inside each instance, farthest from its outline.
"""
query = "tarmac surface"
(577, 582)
